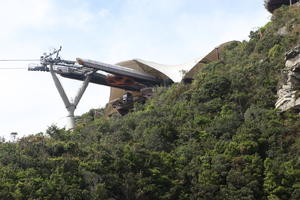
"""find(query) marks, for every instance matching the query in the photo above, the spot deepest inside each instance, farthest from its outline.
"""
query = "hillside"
(217, 138)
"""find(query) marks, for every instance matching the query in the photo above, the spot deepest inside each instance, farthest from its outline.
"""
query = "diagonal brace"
(70, 105)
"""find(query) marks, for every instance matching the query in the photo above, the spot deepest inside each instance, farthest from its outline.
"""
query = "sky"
(163, 31)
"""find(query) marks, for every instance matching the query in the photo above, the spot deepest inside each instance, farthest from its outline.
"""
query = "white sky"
(163, 31)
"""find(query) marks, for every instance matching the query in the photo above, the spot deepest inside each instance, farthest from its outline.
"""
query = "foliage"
(218, 138)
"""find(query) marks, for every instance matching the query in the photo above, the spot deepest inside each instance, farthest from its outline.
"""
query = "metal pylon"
(70, 104)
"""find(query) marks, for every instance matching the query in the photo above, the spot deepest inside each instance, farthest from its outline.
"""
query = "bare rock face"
(289, 88)
(282, 31)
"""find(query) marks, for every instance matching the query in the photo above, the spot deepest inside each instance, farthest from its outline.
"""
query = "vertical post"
(290, 2)
(218, 53)
(71, 118)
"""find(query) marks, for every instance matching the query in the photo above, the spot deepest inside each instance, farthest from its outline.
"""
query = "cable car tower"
(55, 65)
(87, 71)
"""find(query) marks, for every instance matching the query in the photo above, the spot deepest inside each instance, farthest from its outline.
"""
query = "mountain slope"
(218, 138)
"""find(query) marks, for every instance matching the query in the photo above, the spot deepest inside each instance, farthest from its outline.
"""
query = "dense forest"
(215, 139)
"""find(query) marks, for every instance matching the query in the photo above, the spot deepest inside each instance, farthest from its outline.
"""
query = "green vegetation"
(218, 138)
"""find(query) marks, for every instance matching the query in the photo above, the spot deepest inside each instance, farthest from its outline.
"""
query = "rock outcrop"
(289, 88)
(272, 5)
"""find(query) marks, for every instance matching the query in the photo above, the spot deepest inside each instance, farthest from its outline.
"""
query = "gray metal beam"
(117, 70)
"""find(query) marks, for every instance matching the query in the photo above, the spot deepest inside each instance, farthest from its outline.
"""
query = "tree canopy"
(217, 138)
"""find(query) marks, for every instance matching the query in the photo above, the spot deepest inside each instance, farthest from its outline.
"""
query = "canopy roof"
(174, 72)
(168, 73)
(213, 56)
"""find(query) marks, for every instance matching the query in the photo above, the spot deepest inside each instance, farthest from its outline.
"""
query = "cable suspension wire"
(11, 68)
(18, 60)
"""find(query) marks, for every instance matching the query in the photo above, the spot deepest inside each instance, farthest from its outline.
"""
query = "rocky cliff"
(289, 87)
(272, 5)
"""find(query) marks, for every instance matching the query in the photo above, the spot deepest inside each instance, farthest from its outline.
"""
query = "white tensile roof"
(172, 71)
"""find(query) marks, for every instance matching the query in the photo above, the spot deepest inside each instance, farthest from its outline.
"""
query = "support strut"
(70, 104)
